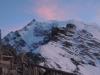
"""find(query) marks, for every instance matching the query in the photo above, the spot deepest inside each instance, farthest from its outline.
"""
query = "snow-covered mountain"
(71, 46)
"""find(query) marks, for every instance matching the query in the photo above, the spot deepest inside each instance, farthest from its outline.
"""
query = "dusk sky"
(14, 14)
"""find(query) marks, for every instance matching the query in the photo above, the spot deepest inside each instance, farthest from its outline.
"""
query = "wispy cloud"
(53, 10)
(97, 15)
(50, 13)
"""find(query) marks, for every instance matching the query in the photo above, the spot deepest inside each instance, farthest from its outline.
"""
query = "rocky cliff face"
(69, 46)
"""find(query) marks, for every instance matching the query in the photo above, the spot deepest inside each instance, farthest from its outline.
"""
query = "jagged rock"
(54, 44)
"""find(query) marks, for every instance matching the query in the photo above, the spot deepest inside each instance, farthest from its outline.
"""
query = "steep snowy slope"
(95, 30)
(70, 46)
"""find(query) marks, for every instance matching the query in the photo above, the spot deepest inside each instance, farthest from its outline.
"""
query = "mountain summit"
(70, 46)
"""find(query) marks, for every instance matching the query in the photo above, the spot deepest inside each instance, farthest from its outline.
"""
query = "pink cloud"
(53, 10)
(52, 13)
(49, 10)
(47, 13)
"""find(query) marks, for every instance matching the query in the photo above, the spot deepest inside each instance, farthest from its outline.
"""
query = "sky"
(15, 14)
